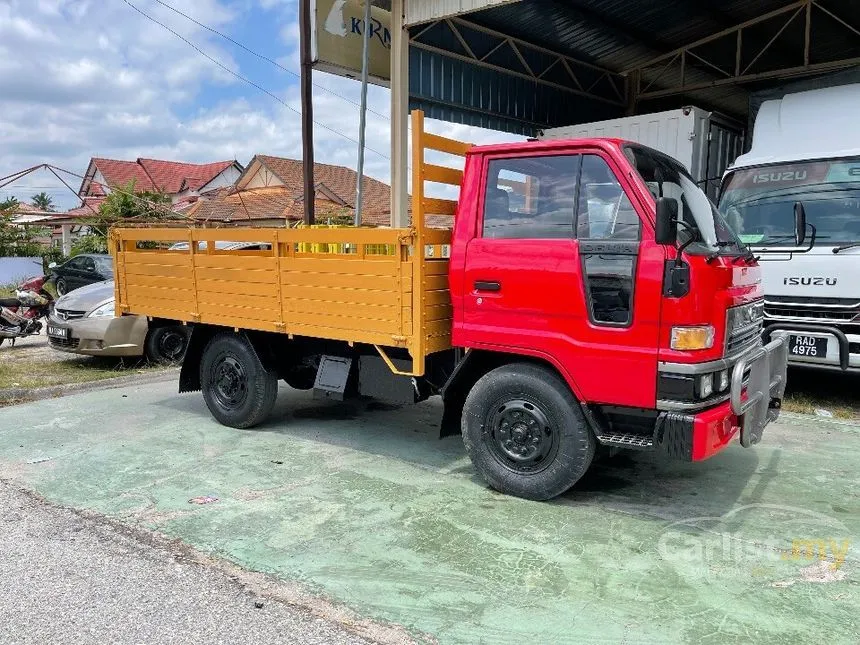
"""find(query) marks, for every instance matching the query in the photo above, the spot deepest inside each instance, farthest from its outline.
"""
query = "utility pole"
(362, 117)
(399, 116)
(307, 110)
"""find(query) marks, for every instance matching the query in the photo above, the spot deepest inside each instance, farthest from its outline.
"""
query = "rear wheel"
(525, 432)
(167, 344)
(239, 391)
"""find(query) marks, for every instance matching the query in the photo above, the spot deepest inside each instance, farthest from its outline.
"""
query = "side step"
(626, 440)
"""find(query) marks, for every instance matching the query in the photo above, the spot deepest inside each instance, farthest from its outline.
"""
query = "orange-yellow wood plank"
(334, 333)
(436, 282)
(341, 295)
(442, 175)
(238, 288)
(436, 267)
(239, 276)
(161, 282)
(159, 270)
(437, 206)
(344, 265)
(389, 283)
(342, 235)
(242, 263)
(389, 313)
(444, 144)
(438, 312)
(357, 326)
(437, 297)
(437, 327)
(152, 234)
(267, 316)
(438, 343)
(268, 304)
(182, 296)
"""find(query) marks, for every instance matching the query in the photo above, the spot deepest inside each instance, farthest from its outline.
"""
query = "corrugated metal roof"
(418, 11)
(621, 35)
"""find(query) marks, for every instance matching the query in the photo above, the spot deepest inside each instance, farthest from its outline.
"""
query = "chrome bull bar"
(764, 389)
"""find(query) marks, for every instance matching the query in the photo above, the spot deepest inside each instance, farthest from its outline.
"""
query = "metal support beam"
(697, 68)
(307, 110)
(399, 116)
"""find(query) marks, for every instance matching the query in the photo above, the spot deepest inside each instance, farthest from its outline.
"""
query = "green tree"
(43, 201)
(123, 205)
(8, 204)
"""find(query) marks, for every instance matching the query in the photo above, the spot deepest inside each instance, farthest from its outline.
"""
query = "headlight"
(706, 386)
(105, 311)
(700, 337)
(723, 380)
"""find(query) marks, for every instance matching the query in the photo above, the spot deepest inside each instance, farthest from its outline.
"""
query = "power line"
(243, 78)
(263, 57)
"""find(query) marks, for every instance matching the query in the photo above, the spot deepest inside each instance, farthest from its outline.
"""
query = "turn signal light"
(686, 338)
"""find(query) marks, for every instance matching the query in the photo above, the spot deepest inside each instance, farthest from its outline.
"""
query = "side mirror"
(666, 231)
(799, 223)
(52, 265)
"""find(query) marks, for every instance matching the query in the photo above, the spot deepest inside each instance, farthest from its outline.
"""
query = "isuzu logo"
(809, 281)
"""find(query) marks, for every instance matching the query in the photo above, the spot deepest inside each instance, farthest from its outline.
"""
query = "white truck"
(805, 161)
(705, 142)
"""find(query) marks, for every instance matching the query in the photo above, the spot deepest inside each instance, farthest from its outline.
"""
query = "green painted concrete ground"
(368, 508)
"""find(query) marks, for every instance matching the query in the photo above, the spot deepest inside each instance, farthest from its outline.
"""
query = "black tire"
(62, 287)
(239, 391)
(166, 345)
(525, 432)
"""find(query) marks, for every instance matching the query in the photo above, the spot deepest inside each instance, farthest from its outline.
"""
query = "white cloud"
(82, 79)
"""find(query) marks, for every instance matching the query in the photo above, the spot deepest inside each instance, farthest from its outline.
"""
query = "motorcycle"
(21, 316)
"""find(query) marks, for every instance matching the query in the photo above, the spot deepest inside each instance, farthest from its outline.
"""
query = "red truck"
(588, 295)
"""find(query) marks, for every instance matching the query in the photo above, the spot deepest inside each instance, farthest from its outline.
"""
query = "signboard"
(337, 36)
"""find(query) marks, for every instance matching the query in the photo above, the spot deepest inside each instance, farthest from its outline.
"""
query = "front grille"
(65, 343)
(69, 314)
(823, 310)
(745, 324)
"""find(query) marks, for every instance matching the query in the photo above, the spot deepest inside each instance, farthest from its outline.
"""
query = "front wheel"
(62, 287)
(525, 432)
(239, 391)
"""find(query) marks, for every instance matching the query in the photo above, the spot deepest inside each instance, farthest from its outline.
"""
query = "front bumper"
(754, 397)
(122, 336)
(839, 354)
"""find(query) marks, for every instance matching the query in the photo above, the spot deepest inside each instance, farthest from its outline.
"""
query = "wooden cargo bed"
(361, 285)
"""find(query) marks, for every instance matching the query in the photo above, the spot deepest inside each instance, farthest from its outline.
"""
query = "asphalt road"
(72, 578)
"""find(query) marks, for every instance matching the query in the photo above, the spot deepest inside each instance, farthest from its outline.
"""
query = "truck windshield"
(759, 202)
(665, 176)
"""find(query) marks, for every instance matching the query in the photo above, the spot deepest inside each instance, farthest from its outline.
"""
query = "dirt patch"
(834, 392)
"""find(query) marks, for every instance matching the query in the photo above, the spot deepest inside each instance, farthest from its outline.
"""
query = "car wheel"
(166, 345)
(525, 432)
(239, 391)
(62, 287)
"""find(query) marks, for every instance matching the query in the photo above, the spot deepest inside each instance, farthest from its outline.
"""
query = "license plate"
(812, 346)
(58, 332)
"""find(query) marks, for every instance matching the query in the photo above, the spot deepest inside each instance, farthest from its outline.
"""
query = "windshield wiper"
(843, 247)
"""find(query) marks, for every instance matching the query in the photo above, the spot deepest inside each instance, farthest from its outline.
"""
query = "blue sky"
(84, 78)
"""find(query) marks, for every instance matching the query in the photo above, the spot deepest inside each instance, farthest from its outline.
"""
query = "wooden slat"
(444, 144)
(438, 343)
(437, 236)
(341, 295)
(342, 266)
(160, 310)
(210, 236)
(158, 270)
(358, 328)
(390, 283)
(239, 276)
(224, 261)
(160, 281)
(357, 311)
(436, 267)
(437, 206)
(181, 296)
(438, 312)
(347, 235)
(437, 327)
(436, 282)
(153, 234)
(266, 316)
(232, 287)
(177, 259)
(268, 303)
(442, 175)
(334, 333)
(231, 320)
(437, 297)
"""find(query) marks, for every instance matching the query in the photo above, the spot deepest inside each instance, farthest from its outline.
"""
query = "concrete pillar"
(67, 239)
(399, 115)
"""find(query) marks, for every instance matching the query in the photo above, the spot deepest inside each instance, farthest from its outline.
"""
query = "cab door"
(557, 269)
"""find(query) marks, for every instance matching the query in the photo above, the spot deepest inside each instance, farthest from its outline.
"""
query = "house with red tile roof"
(270, 193)
(183, 182)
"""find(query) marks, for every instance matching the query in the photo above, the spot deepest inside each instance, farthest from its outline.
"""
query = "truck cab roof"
(817, 124)
(548, 144)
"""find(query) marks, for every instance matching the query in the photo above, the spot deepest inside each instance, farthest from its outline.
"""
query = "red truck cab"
(556, 257)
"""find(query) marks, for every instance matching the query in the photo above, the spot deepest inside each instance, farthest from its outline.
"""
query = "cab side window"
(531, 197)
(608, 228)
(605, 211)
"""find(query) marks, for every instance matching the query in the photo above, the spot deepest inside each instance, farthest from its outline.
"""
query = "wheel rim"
(61, 287)
(231, 388)
(171, 345)
(521, 437)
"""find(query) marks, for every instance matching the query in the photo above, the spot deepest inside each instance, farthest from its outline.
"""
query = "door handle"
(482, 285)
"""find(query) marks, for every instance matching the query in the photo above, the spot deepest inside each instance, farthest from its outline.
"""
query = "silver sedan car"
(83, 322)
